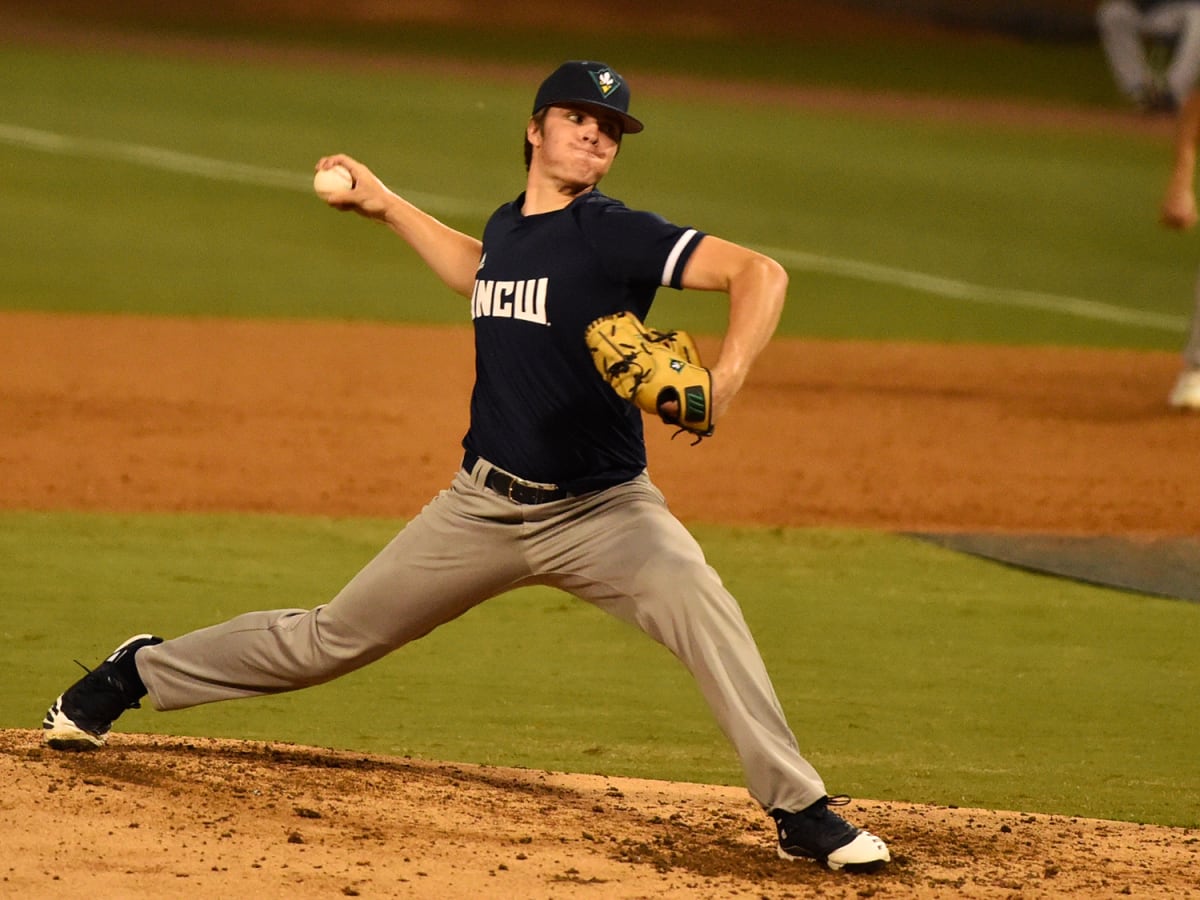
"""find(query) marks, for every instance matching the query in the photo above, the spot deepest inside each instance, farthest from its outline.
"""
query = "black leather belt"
(524, 492)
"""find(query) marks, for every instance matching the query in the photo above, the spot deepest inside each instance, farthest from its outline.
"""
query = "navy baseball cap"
(588, 84)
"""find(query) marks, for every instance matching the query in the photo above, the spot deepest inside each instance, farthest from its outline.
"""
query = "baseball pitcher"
(553, 488)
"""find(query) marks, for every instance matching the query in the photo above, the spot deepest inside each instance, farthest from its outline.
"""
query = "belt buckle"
(512, 482)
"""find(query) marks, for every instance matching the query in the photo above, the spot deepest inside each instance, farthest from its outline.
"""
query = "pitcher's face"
(576, 145)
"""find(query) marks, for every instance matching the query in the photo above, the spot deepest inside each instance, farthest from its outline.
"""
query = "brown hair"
(539, 118)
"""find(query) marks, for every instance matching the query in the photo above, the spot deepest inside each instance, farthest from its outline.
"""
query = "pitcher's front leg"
(631, 557)
(444, 562)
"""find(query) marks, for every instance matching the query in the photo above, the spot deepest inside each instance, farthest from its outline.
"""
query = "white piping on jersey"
(673, 258)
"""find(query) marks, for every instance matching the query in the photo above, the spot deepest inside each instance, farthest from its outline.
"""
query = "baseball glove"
(658, 371)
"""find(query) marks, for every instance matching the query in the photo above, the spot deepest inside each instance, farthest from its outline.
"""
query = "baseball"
(332, 180)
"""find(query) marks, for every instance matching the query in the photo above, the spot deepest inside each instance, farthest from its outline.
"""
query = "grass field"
(142, 155)
(957, 681)
(139, 184)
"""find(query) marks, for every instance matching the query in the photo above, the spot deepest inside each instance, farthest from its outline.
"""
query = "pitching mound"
(154, 817)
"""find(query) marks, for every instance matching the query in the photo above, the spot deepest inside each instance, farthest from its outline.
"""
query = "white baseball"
(332, 180)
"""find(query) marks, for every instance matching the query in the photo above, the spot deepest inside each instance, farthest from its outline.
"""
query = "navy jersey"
(540, 408)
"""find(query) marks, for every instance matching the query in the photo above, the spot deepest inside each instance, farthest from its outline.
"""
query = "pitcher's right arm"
(452, 255)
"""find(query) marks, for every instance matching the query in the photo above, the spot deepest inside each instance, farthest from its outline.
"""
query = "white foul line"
(262, 176)
(151, 157)
(191, 164)
(975, 293)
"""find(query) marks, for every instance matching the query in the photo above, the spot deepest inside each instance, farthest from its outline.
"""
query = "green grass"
(907, 672)
(1066, 214)
(975, 65)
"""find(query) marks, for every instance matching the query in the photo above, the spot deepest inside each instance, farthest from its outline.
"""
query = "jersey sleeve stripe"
(668, 276)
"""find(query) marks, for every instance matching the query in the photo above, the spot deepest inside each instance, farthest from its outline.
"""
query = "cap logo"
(606, 81)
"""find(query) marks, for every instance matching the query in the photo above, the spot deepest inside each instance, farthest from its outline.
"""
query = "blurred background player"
(1179, 211)
(1153, 49)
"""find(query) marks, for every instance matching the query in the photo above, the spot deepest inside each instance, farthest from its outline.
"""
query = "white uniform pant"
(1124, 31)
(1191, 350)
(620, 549)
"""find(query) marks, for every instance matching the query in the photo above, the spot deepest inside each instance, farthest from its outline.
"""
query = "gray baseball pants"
(1123, 29)
(1191, 350)
(620, 549)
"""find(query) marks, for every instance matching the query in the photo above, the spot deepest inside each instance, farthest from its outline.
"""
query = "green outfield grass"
(977, 64)
(112, 213)
(908, 672)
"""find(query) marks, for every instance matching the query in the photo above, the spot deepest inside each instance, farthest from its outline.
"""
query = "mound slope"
(154, 817)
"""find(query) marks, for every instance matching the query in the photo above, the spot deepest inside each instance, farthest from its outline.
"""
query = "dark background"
(1027, 19)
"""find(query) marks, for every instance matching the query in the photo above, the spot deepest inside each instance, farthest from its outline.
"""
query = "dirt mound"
(308, 418)
(155, 817)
